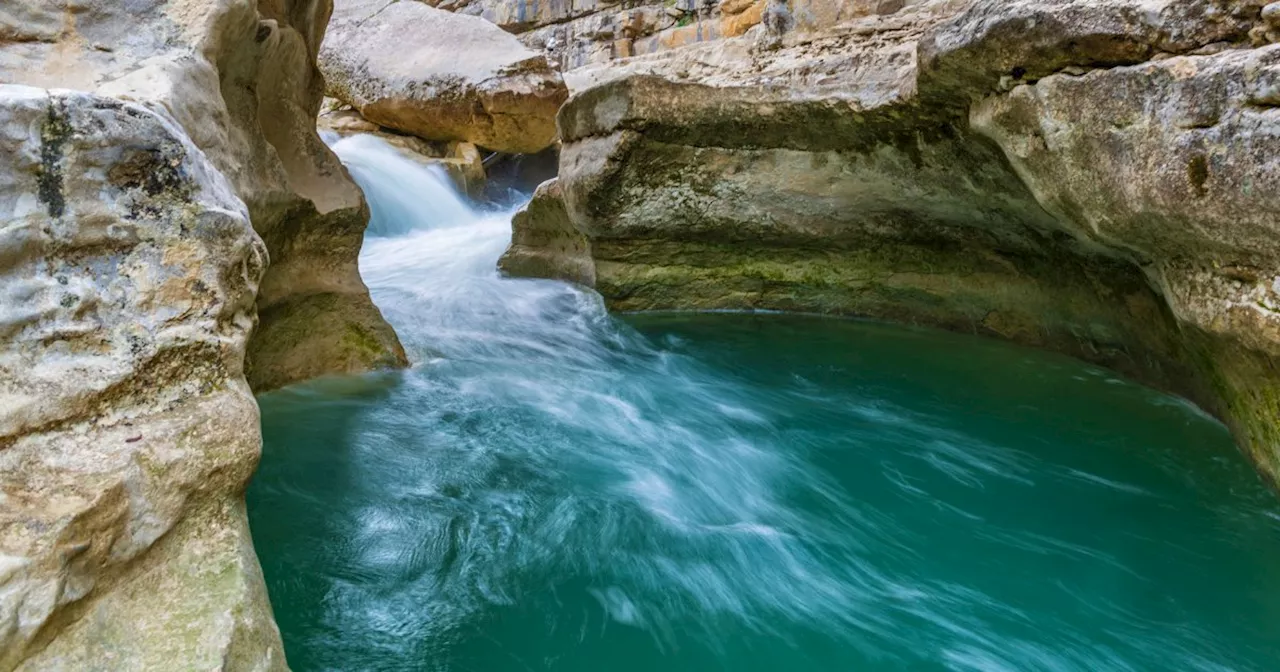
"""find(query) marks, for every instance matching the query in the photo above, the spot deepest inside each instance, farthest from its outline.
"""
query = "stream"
(554, 488)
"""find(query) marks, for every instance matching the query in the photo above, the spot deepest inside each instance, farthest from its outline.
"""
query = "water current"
(554, 488)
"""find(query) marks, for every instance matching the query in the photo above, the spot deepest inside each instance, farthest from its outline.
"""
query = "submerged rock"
(446, 77)
(1093, 178)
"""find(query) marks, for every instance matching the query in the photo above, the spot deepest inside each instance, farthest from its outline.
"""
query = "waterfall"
(670, 441)
(404, 195)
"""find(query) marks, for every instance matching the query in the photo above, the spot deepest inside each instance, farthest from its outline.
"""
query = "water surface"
(552, 488)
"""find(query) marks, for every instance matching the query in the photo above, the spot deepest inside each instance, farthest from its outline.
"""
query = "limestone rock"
(1176, 162)
(449, 77)
(594, 32)
(1096, 178)
(127, 432)
(130, 277)
(239, 76)
(1029, 39)
(544, 242)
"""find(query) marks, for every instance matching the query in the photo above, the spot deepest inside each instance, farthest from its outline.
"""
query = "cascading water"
(552, 488)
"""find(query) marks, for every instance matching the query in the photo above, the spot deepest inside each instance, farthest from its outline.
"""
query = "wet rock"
(545, 243)
(461, 160)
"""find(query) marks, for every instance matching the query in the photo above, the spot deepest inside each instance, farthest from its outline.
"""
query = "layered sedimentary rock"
(586, 32)
(441, 76)
(132, 276)
(1094, 178)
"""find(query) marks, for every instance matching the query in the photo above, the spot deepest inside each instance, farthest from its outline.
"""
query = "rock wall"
(131, 280)
(239, 77)
(1176, 163)
(127, 284)
(592, 32)
(1097, 178)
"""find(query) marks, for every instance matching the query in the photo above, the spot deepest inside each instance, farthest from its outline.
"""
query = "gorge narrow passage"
(554, 488)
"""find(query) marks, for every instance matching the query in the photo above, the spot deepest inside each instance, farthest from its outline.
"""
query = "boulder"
(545, 243)
(449, 77)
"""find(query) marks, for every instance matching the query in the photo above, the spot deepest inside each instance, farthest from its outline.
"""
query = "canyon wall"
(1093, 177)
(1096, 177)
(173, 232)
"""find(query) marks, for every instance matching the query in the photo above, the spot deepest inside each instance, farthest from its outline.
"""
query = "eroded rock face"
(128, 272)
(545, 243)
(447, 77)
(131, 280)
(239, 76)
(595, 32)
(1177, 164)
(1097, 178)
